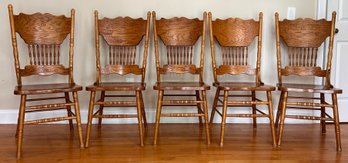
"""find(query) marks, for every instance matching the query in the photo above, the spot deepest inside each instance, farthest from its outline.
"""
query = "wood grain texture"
(46, 88)
(307, 88)
(121, 69)
(117, 86)
(243, 86)
(180, 86)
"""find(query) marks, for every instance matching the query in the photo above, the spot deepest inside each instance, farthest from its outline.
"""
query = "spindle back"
(43, 34)
(302, 38)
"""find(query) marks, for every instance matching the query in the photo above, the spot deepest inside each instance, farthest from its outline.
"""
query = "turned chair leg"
(101, 109)
(68, 109)
(282, 118)
(158, 115)
(214, 107)
(253, 96)
(21, 116)
(322, 122)
(143, 110)
(276, 124)
(337, 122)
(140, 121)
(205, 107)
(90, 117)
(199, 109)
(223, 120)
(271, 122)
(78, 119)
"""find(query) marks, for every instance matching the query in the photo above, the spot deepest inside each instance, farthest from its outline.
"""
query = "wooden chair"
(302, 39)
(180, 36)
(123, 35)
(234, 37)
(44, 34)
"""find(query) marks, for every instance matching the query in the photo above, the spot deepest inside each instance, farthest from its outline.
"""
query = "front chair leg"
(280, 103)
(158, 115)
(139, 112)
(205, 107)
(337, 122)
(216, 99)
(143, 109)
(270, 110)
(90, 117)
(21, 116)
(78, 119)
(223, 120)
(282, 118)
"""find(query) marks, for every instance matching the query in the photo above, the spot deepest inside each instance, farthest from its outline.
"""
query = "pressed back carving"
(304, 32)
(42, 28)
(302, 38)
(179, 36)
(43, 34)
(122, 31)
(235, 35)
(179, 31)
(123, 35)
(235, 32)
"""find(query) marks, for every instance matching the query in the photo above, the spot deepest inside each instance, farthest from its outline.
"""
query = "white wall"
(84, 38)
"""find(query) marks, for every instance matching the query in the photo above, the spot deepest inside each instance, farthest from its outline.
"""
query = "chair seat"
(46, 88)
(307, 88)
(184, 86)
(117, 86)
(242, 86)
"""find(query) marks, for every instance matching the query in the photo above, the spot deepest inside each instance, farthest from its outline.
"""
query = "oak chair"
(43, 34)
(123, 36)
(234, 37)
(180, 37)
(300, 39)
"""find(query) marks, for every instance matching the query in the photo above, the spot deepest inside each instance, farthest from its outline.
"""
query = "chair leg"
(199, 109)
(253, 96)
(205, 107)
(271, 120)
(337, 122)
(223, 120)
(68, 109)
(143, 110)
(276, 124)
(90, 117)
(282, 118)
(78, 119)
(158, 115)
(17, 129)
(140, 121)
(101, 109)
(322, 122)
(214, 106)
(20, 124)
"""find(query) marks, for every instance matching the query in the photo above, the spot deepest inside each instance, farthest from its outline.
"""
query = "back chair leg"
(158, 115)
(337, 122)
(271, 122)
(68, 109)
(78, 119)
(101, 109)
(90, 117)
(322, 122)
(253, 96)
(143, 110)
(21, 117)
(223, 120)
(205, 107)
(216, 99)
(199, 109)
(282, 118)
(139, 111)
(279, 110)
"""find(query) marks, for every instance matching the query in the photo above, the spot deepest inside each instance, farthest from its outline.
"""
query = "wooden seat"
(124, 38)
(117, 86)
(234, 37)
(43, 34)
(301, 39)
(179, 37)
(243, 86)
(188, 86)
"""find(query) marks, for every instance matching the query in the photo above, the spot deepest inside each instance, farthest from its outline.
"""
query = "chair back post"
(202, 49)
(14, 45)
(279, 64)
(259, 47)
(71, 47)
(212, 46)
(156, 46)
(329, 59)
(146, 46)
(97, 46)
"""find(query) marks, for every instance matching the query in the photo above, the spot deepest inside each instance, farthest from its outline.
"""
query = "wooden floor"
(177, 143)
